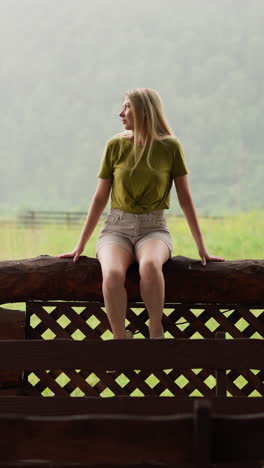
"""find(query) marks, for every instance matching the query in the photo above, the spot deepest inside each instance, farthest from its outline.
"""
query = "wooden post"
(220, 374)
(202, 434)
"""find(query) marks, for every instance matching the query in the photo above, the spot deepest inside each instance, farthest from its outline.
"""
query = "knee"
(113, 278)
(150, 268)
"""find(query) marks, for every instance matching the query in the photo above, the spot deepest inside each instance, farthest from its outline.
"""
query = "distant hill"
(65, 65)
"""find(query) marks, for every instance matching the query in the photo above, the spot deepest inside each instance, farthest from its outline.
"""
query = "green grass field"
(239, 237)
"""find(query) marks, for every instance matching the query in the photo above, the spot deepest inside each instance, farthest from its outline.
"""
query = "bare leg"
(151, 256)
(114, 262)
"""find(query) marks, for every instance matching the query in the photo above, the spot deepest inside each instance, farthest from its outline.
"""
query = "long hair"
(150, 123)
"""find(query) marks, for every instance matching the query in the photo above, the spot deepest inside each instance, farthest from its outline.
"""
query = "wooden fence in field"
(42, 217)
(68, 218)
(169, 402)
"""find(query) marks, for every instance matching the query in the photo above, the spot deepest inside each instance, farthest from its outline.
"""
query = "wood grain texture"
(52, 278)
(113, 439)
(199, 438)
(130, 354)
(148, 405)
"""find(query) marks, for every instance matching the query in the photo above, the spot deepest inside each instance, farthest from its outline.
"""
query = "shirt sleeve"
(179, 165)
(106, 167)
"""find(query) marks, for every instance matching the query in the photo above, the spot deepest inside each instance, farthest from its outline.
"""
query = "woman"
(138, 168)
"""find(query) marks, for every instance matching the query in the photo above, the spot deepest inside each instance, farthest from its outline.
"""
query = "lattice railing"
(83, 320)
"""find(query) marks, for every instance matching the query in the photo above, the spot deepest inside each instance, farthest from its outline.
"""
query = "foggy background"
(65, 64)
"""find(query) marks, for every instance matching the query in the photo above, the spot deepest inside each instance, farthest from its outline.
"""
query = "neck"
(142, 140)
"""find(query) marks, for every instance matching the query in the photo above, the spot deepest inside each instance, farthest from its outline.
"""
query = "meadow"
(238, 237)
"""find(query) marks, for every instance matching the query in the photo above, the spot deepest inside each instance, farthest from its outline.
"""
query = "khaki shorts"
(130, 230)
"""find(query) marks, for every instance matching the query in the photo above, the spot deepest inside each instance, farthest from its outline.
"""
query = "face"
(126, 115)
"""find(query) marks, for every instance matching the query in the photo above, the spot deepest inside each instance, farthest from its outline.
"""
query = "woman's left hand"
(206, 256)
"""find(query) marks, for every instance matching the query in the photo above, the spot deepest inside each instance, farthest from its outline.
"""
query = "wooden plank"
(218, 439)
(220, 375)
(129, 354)
(238, 438)
(51, 278)
(125, 439)
(58, 406)
(48, 464)
(12, 391)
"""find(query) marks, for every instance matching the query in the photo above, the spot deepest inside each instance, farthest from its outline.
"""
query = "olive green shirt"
(145, 189)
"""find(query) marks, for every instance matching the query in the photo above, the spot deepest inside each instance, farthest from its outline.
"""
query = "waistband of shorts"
(149, 214)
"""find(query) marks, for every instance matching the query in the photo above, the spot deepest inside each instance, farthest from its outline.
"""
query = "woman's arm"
(98, 203)
(186, 203)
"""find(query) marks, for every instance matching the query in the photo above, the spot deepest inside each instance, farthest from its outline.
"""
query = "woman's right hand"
(75, 254)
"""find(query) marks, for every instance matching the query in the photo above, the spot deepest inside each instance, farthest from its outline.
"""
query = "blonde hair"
(150, 123)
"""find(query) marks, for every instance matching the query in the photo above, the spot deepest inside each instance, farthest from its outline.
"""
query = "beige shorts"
(130, 230)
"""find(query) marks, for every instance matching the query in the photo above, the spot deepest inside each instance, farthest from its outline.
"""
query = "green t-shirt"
(144, 190)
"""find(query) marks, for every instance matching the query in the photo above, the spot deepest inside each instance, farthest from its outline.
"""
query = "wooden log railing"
(187, 281)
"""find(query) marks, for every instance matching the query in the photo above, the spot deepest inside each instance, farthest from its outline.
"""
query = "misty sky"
(64, 66)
